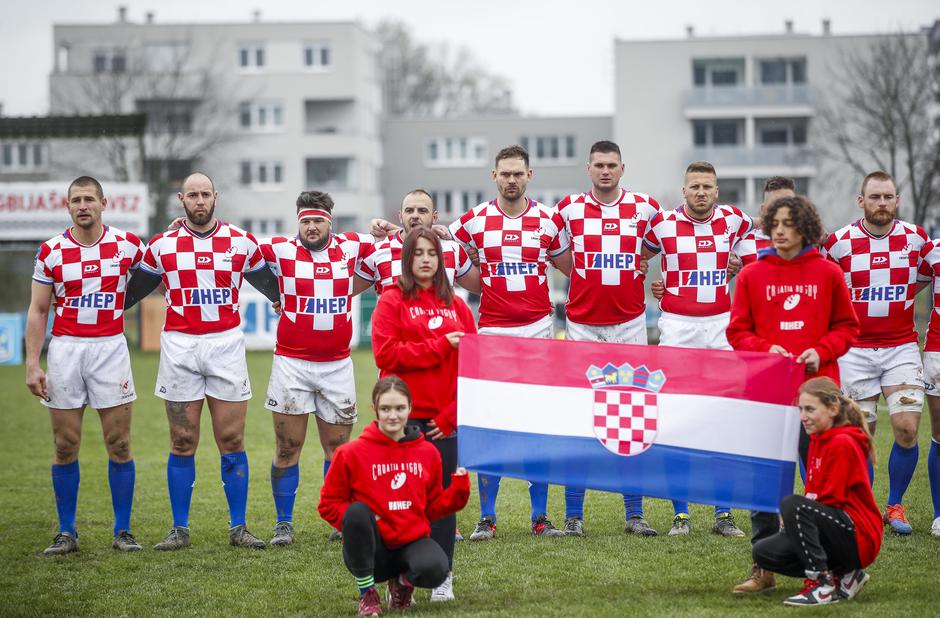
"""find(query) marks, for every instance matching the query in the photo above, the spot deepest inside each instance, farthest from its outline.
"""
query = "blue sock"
(235, 483)
(632, 506)
(489, 489)
(180, 478)
(871, 472)
(326, 466)
(284, 483)
(933, 473)
(901, 465)
(121, 477)
(680, 507)
(538, 496)
(722, 510)
(65, 479)
(574, 502)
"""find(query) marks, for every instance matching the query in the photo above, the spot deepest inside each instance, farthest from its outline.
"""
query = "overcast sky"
(558, 54)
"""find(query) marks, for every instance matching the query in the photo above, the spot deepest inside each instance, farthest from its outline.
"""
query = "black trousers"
(815, 537)
(443, 529)
(764, 525)
(423, 562)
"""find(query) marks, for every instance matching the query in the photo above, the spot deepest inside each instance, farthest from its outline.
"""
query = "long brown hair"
(829, 394)
(407, 283)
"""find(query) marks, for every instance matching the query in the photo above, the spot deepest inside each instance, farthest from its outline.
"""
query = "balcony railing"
(750, 95)
(790, 156)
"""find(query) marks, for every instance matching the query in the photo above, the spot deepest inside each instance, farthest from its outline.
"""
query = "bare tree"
(422, 80)
(881, 115)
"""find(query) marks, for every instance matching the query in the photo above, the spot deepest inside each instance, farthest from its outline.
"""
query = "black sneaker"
(63, 543)
(283, 534)
(485, 530)
(125, 541)
(240, 537)
(574, 526)
(639, 526)
(178, 538)
(542, 526)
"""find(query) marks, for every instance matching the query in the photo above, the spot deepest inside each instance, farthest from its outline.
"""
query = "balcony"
(798, 160)
(793, 99)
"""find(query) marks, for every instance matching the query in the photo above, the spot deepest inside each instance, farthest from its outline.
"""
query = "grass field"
(606, 573)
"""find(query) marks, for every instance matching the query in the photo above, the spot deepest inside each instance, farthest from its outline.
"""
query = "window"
(318, 55)
(717, 72)
(251, 56)
(23, 157)
(456, 152)
(328, 174)
(731, 190)
(169, 116)
(782, 71)
(781, 131)
(262, 174)
(261, 116)
(550, 148)
(716, 132)
(109, 61)
(263, 227)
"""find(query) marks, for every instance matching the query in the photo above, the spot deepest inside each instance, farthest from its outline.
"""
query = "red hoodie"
(797, 304)
(837, 475)
(399, 481)
(409, 340)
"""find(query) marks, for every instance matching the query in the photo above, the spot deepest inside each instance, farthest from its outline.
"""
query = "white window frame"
(563, 158)
(456, 151)
(252, 48)
(267, 111)
(315, 50)
(109, 54)
(30, 165)
(267, 168)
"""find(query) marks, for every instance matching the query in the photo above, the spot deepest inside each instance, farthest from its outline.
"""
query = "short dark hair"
(87, 181)
(605, 146)
(779, 183)
(315, 199)
(803, 214)
(407, 283)
(390, 383)
(878, 175)
(513, 152)
(703, 167)
(419, 191)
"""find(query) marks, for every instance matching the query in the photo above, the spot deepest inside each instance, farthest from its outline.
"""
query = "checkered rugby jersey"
(761, 241)
(606, 244)
(383, 266)
(882, 277)
(695, 257)
(514, 252)
(88, 281)
(202, 275)
(316, 294)
(929, 270)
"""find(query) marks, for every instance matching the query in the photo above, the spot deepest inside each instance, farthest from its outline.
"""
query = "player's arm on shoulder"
(471, 280)
(36, 319)
(361, 284)
(380, 228)
(139, 286)
(563, 262)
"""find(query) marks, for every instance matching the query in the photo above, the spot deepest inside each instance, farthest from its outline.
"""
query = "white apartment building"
(277, 107)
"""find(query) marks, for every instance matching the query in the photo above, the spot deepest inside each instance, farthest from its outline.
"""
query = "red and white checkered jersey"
(514, 252)
(202, 275)
(695, 257)
(929, 270)
(316, 294)
(761, 240)
(881, 273)
(383, 266)
(88, 281)
(606, 245)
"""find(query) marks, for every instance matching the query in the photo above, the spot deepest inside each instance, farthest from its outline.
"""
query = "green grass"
(606, 573)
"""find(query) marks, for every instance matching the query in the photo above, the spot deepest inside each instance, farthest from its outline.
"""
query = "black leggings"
(764, 525)
(423, 561)
(443, 529)
(815, 538)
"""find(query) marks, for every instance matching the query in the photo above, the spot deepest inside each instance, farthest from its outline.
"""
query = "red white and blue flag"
(704, 426)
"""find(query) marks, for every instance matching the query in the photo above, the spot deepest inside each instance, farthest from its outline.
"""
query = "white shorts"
(932, 373)
(300, 386)
(540, 329)
(706, 333)
(89, 370)
(864, 371)
(196, 366)
(633, 331)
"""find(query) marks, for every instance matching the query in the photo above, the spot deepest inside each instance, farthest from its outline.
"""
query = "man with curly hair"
(795, 303)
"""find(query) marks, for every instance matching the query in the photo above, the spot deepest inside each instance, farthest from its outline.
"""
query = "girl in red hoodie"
(833, 532)
(382, 491)
(416, 328)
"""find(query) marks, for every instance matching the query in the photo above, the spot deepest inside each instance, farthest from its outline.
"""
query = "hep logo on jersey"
(208, 296)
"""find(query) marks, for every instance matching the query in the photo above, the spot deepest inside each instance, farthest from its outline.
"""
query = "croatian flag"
(704, 426)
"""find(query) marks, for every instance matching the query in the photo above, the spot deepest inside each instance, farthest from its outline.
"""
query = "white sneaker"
(444, 592)
(935, 528)
(851, 583)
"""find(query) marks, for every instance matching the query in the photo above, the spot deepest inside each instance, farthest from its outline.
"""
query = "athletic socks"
(632, 506)
(680, 507)
(574, 502)
(871, 472)
(538, 496)
(121, 477)
(722, 510)
(284, 483)
(180, 478)
(933, 473)
(364, 583)
(235, 483)
(65, 479)
(488, 485)
(901, 465)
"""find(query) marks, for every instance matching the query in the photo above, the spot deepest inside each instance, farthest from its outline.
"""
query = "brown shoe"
(759, 581)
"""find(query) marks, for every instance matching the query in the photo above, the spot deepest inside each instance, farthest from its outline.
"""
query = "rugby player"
(930, 267)
(880, 256)
(85, 270)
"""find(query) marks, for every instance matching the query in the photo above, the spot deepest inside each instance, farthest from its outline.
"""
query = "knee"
(183, 443)
(434, 573)
(789, 505)
(288, 451)
(66, 447)
(333, 442)
(906, 435)
(119, 447)
(358, 518)
(231, 442)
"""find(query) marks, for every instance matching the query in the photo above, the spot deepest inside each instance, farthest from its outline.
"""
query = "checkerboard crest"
(625, 411)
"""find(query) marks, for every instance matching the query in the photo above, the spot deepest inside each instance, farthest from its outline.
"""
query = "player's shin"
(121, 478)
(235, 483)
(65, 481)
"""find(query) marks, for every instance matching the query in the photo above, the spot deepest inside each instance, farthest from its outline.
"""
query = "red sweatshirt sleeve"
(843, 323)
(336, 494)
(450, 500)
(446, 420)
(392, 352)
(741, 328)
